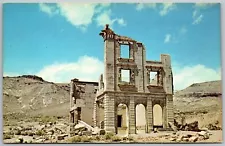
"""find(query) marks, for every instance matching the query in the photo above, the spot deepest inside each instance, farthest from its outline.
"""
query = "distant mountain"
(29, 93)
(200, 102)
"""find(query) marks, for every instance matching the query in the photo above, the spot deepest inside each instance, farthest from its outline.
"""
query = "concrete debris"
(61, 137)
(187, 127)
(83, 128)
(172, 126)
(193, 139)
(213, 127)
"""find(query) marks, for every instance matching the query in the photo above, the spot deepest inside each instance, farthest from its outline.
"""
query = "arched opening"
(140, 119)
(122, 119)
(157, 116)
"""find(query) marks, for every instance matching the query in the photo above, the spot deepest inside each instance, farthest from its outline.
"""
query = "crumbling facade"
(82, 96)
(113, 90)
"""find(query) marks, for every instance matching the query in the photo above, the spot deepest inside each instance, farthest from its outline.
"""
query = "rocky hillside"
(201, 102)
(31, 93)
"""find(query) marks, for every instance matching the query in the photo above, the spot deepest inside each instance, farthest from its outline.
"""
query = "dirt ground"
(50, 129)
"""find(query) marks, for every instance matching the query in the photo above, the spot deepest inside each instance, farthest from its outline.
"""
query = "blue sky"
(60, 41)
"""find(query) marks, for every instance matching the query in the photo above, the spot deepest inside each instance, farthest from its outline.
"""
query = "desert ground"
(37, 111)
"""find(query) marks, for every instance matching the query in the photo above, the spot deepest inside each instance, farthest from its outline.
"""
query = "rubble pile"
(36, 133)
(187, 127)
(84, 129)
(213, 127)
(190, 137)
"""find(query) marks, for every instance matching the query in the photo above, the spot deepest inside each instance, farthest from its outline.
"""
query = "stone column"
(116, 119)
(149, 115)
(109, 110)
(76, 116)
(95, 114)
(169, 108)
(164, 114)
(132, 116)
(71, 94)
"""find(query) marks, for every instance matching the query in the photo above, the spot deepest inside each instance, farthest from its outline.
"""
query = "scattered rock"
(61, 137)
(88, 133)
(98, 131)
(172, 139)
(185, 139)
(193, 139)
(172, 126)
(204, 134)
(79, 127)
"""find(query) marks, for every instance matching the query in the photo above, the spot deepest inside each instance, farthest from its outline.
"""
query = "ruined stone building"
(113, 90)
(82, 97)
(111, 103)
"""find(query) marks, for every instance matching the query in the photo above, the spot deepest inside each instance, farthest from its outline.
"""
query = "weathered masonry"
(82, 95)
(114, 90)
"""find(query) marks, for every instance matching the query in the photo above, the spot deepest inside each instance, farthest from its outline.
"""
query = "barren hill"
(31, 93)
(201, 102)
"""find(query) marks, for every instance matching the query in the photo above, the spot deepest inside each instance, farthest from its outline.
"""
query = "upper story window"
(155, 78)
(125, 75)
(125, 51)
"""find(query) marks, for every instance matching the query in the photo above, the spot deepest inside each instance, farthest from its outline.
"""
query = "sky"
(61, 41)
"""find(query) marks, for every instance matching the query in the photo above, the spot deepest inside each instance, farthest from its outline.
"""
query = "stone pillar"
(75, 116)
(109, 110)
(71, 94)
(169, 108)
(116, 119)
(132, 116)
(95, 114)
(164, 115)
(158, 77)
(149, 115)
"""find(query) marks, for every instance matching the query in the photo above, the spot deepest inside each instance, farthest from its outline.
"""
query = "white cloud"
(141, 6)
(197, 19)
(47, 8)
(194, 13)
(86, 69)
(78, 14)
(187, 75)
(203, 5)
(166, 8)
(105, 18)
(183, 30)
(81, 14)
(167, 38)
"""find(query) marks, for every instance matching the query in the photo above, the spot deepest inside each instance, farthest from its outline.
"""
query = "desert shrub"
(97, 138)
(75, 139)
(85, 139)
(17, 132)
(40, 132)
(7, 136)
(130, 138)
(109, 135)
(47, 119)
(116, 138)
(30, 133)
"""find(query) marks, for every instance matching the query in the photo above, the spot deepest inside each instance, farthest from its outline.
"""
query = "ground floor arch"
(155, 110)
(157, 116)
(122, 119)
(141, 118)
